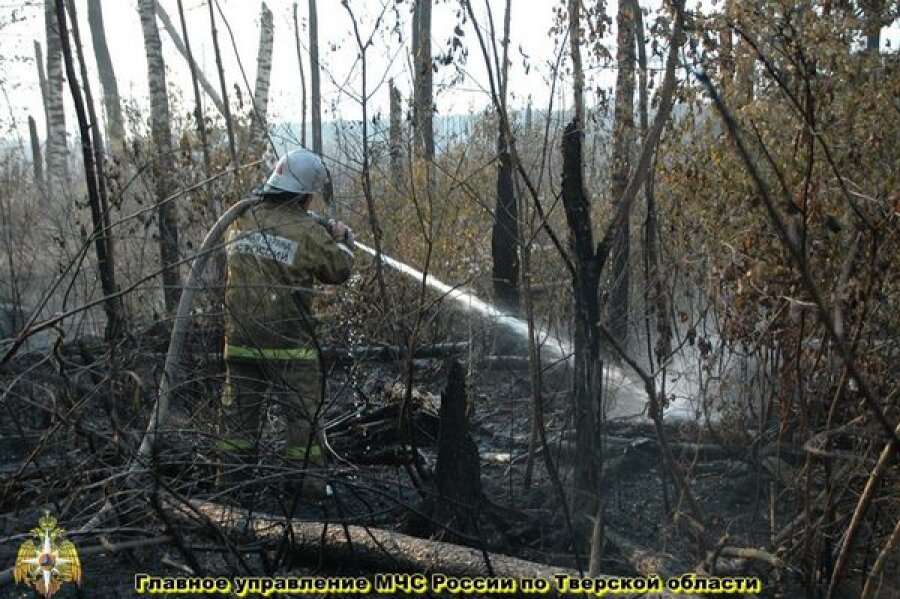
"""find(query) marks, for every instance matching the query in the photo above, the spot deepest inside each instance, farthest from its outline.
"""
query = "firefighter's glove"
(341, 232)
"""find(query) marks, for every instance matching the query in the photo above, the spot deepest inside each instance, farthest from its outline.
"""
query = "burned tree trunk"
(744, 57)
(302, 78)
(314, 86)
(115, 127)
(586, 276)
(423, 102)
(164, 164)
(112, 304)
(225, 108)
(263, 76)
(656, 300)
(116, 311)
(744, 77)
(504, 235)
(623, 143)
(396, 138)
(505, 232)
(198, 104)
(36, 159)
(42, 81)
(457, 472)
(577, 69)
(588, 265)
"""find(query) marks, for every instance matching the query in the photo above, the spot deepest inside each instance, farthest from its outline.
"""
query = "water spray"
(627, 398)
(555, 348)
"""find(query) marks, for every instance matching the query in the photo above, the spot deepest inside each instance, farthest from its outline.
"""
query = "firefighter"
(276, 251)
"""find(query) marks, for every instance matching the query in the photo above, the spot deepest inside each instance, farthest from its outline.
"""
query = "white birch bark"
(57, 149)
(263, 77)
(162, 146)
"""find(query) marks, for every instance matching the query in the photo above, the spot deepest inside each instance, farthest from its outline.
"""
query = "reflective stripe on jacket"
(241, 352)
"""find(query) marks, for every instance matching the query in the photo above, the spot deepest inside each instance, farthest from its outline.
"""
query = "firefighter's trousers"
(254, 386)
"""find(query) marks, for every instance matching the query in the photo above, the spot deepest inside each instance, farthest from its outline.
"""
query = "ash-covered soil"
(381, 478)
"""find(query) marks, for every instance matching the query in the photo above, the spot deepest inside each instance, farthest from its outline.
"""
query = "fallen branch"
(372, 548)
(753, 554)
(617, 447)
(640, 558)
(873, 581)
(865, 499)
(351, 355)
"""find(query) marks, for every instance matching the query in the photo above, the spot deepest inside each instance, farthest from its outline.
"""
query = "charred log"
(457, 472)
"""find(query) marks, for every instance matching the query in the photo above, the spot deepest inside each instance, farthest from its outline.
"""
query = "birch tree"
(164, 165)
(57, 151)
(263, 77)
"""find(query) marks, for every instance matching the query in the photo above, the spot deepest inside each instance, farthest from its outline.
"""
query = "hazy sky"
(387, 57)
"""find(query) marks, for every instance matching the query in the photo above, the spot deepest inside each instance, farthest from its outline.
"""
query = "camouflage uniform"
(275, 253)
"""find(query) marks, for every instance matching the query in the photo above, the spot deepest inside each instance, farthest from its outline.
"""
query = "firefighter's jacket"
(276, 251)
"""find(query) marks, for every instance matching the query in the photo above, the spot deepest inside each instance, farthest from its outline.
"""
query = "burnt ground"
(65, 466)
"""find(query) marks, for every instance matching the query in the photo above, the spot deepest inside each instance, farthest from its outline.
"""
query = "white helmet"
(298, 171)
